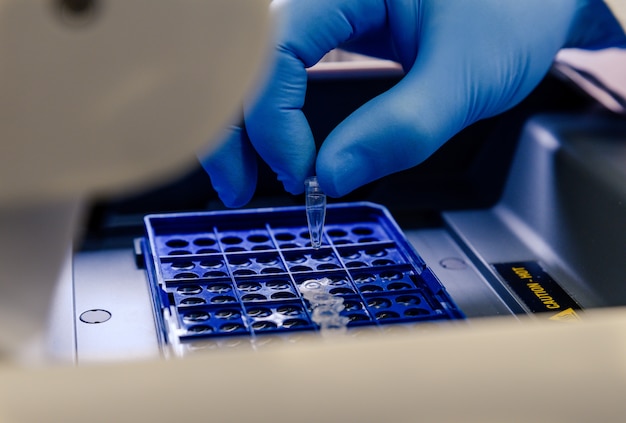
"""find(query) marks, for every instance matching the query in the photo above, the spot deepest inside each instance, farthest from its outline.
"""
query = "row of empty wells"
(286, 287)
(265, 239)
(243, 264)
(235, 319)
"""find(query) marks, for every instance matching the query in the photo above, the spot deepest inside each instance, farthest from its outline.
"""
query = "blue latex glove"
(464, 60)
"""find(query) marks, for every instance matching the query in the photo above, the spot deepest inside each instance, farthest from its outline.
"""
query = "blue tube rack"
(229, 273)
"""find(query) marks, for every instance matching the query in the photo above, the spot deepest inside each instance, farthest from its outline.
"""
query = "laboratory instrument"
(315, 210)
(472, 222)
(326, 306)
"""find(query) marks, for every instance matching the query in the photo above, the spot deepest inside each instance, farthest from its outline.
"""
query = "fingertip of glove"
(294, 188)
(233, 201)
(231, 195)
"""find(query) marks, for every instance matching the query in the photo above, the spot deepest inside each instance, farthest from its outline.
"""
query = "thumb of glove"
(468, 61)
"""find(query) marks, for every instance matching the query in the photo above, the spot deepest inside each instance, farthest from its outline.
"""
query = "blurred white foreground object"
(101, 95)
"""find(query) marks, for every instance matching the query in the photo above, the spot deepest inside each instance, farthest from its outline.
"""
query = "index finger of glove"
(306, 31)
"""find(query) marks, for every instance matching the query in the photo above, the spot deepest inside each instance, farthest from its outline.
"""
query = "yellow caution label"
(540, 293)
(567, 315)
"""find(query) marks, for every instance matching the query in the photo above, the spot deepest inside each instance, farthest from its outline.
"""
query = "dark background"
(467, 172)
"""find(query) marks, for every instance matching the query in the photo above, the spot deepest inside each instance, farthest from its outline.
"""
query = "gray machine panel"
(564, 206)
(463, 280)
(109, 281)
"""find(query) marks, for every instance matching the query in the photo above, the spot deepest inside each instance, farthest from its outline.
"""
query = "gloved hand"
(464, 60)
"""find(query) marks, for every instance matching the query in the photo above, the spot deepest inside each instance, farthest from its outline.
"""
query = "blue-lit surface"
(238, 272)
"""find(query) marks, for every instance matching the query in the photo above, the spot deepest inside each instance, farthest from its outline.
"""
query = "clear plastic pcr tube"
(315, 210)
